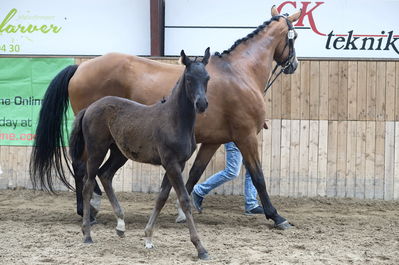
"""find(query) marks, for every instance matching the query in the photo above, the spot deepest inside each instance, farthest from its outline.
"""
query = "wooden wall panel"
(390, 91)
(285, 157)
(296, 94)
(332, 158)
(361, 104)
(305, 89)
(371, 90)
(350, 175)
(333, 90)
(333, 131)
(380, 100)
(341, 158)
(314, 90)
(303, 158)
(324, 92)
(389, 156)
(322, 159)
(276, 157)
(343, 91)
(352, 90)
(294, 157)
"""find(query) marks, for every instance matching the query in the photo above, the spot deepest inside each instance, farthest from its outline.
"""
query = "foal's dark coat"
(161, 134)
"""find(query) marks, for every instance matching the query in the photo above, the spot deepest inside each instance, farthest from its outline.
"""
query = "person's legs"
(250, 194)
(231, 171)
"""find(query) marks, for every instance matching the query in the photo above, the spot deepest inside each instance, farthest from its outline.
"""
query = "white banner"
(74, 27)
(327, 29)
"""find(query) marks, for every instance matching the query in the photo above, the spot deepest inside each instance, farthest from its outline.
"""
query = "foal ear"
(274, 11)
(296, 16)
(185, 60)
(205, 60)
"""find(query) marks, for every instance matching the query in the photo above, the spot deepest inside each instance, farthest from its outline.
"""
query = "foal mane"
(249, 36)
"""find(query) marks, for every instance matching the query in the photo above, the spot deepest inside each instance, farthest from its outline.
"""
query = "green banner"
(23, 82)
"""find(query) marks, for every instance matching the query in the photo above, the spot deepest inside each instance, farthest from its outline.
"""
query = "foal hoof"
(203, 256)
(88, 240)
(120, 233)
(181, 219)
(149, 245)
(283, 226)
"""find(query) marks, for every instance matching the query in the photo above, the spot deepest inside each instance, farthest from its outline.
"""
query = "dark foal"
(160, 134)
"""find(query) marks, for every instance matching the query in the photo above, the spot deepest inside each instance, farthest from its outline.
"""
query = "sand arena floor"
(38, 228)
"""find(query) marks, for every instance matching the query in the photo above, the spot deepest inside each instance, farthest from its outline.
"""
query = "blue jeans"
(231, 171)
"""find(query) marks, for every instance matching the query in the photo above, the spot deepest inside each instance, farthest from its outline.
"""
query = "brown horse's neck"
(254, 57)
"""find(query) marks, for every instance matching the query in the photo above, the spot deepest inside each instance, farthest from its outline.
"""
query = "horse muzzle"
(201, 105)
(290, 69)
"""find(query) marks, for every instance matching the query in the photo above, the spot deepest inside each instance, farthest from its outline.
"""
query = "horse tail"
(76, 140)
(49, 145)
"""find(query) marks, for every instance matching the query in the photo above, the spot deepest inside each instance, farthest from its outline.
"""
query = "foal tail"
(76, 140)
(49, 145)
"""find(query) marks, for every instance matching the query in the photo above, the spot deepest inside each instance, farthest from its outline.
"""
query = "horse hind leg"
(159, 204)
(79, 169)
(106, 173)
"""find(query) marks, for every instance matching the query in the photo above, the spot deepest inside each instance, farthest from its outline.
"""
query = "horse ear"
(205, 60)
(296, 16)
(184, 59)
(274, 11)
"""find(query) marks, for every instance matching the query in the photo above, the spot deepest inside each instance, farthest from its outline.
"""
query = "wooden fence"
(333, 131)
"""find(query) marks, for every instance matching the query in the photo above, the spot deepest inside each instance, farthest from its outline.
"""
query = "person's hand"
(265, 125)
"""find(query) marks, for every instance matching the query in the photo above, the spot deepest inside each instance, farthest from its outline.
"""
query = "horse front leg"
(202, 159)
(249, 150)
(175, 178)
(159, 204)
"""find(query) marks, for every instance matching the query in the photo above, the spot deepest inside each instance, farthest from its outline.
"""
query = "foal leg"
(249, 150)
(202, 159)
(79, 169)
(93, 163)
(159, 204)
(96, 154)
(175, 178)
(106, 173)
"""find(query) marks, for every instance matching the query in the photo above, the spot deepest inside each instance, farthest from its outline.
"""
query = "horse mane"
(249, 36)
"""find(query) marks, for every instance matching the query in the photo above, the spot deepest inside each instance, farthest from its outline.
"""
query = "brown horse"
(236, 106)
(160, 134)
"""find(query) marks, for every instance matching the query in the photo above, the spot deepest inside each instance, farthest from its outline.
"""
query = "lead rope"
(270, 83)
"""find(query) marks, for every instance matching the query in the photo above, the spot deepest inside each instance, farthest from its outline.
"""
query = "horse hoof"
(149, 245)
(203, 256)
(283, 226)
(120, 233)
(88, 240)
(181, 219)
(93, 222)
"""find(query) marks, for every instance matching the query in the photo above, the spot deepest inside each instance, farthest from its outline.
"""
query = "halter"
(291, 55)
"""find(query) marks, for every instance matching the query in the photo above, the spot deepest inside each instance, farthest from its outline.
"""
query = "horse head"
(196, 80)
(285, 52)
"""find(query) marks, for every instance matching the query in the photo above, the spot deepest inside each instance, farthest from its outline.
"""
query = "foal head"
(196, 80)
(285, 52)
